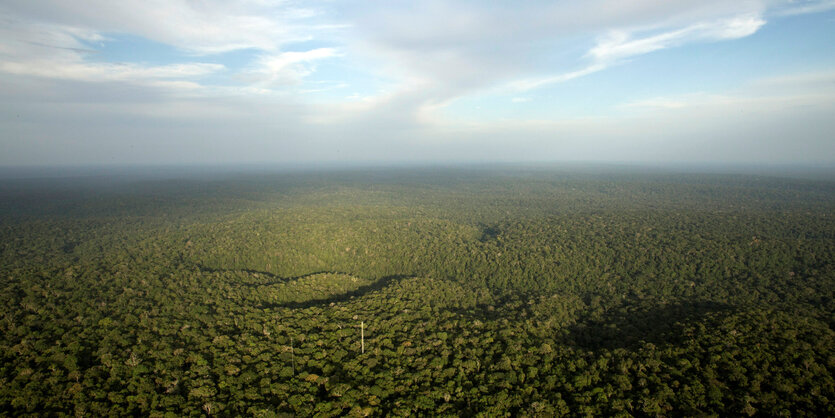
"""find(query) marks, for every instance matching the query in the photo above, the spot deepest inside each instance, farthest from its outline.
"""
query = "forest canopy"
(515, 291)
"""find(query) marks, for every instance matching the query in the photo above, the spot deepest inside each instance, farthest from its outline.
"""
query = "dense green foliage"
(523, 292)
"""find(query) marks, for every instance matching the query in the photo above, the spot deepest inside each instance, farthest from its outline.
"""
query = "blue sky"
(168, 82)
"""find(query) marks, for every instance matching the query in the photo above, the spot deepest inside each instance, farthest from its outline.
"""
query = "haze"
(219, 82)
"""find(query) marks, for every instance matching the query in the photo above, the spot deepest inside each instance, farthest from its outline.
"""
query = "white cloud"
(530, 84)
(658, 102)
(209, 26)
(782, 92)
(440, 43)
(287, 67)
(172, 78)
(54, 39)
(107, 72)
(620, 45)
(823, 81)
(801, 7)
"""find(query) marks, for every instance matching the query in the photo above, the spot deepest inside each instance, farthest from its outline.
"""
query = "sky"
(128, 82)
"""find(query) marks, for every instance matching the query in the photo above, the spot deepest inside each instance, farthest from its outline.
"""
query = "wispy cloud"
(205, 27)
(659, 102)
(812, 81)
(774, 93)
(103, 72)
(801, 7)
(619, 45)
(530, 84)
(287, 68)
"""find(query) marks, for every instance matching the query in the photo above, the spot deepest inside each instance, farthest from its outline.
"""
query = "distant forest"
(429, 292)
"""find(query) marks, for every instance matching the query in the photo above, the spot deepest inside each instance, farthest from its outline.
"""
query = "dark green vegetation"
(523, 292)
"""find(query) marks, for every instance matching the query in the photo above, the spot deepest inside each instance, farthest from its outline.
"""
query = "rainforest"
(427, 291)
